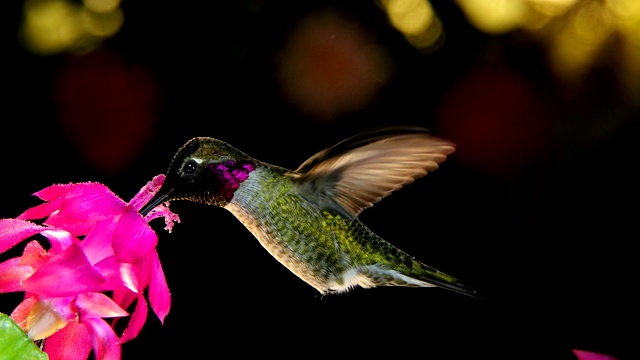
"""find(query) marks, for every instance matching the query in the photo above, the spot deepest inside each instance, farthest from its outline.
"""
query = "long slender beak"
(160, 197)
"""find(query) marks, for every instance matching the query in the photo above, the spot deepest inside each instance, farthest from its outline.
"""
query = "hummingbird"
(307, 218)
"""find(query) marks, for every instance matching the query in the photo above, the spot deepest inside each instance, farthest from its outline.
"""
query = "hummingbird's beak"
(161, 196)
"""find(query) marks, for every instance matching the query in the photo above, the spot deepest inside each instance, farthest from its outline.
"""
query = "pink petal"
(12, 275)
(98, 305)
(68, 273)
(119, 275)
(145, 268)
(13, 231)
(41, 211)
(59, 239)
(77, 227)
(159, 295)
(90, 200)
(104, 339)
(71, 343)
(53, 192)
(85, 204)
(136, 322)
(34, 255)
(146, 193)
(124, 298)
(588, 355)
(133, 238)
(97, 244)
(21, 313)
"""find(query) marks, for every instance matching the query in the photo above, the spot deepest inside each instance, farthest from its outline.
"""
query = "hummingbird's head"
(204, 170)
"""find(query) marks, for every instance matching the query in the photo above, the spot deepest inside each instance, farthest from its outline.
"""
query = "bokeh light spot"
(102, 6)
(552, 8)
(430, 39)
(108, 109)
(625, 10)
(498, 120)
(416, 20)
(578, 35)
(103, 24)
(331, 66)
(411, 17)
(592, 24)
(50, 26)
(495, 16)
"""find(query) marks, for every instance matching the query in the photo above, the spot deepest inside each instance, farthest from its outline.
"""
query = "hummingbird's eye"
(190, 167)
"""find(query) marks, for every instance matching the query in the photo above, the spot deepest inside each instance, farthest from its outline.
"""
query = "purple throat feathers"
(230, 175)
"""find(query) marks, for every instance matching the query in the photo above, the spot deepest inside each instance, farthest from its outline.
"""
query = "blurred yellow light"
(101, 6)
(627, 14)
(411, 17)
(50, 27)
(570, 57)
(624, 9)
(552, 7)
(576, 46)
(592, 24)
(430, 39)
(102, 24)
(536, 21)
(495, 16)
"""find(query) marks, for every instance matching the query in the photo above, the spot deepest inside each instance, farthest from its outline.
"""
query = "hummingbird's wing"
(359, 171)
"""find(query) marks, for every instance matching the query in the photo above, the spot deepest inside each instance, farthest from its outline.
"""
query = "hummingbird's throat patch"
(229, 175)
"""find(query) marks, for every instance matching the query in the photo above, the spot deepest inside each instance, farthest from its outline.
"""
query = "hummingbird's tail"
(422, 276)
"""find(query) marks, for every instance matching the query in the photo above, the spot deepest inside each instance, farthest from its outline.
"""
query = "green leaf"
(15, 344)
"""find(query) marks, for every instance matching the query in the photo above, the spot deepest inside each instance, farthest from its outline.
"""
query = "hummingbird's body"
(307, 219)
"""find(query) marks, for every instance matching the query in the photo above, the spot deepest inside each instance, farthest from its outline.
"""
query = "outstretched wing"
(359, 171)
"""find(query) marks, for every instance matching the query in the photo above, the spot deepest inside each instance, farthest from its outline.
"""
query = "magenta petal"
(588, 355)
(144, 267)
(88, 201)
(41, 211)
(53, 192)
(21, 312)
(97, 244)
(137, 320)
(12, 275)
(70, 343)
(133, 238)
(159, 295)
(13, 231)
(34, 255)
(98, 305)
(68, 273)
(84, 205)
(59, 239)
(72, 225)
(104, 339)
(124, 298)
(119, 275)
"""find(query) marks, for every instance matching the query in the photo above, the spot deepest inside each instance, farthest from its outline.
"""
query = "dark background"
(537, 209)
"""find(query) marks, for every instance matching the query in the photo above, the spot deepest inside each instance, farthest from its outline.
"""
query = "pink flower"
(588, 355)
(98, 243)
